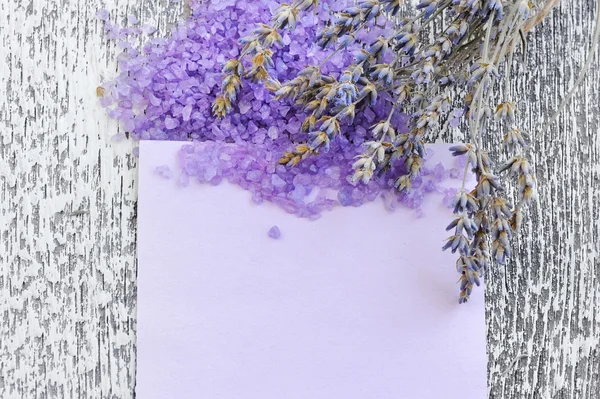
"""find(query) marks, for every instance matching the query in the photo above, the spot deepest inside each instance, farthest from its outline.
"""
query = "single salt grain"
(102, 14)
(345, 197)
(273, 133)
(209, 173)
(274, 232)
(171, 123)
(148, 29)
(429, 186)
(449, 197)
(119, 137)
(244, 107)
(184, 180)
(438, 172)
(277, 181)
(164, 171)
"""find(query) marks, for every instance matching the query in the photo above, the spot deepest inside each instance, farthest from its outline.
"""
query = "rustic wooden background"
(68, 214)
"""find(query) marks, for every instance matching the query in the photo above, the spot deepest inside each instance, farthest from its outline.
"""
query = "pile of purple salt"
(165, 91)
(304, 190)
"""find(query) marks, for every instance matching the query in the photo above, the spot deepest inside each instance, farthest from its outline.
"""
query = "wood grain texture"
(68, 198)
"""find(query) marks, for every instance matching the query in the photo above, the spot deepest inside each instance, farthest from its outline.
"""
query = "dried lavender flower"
(367, 104)
(415, 73)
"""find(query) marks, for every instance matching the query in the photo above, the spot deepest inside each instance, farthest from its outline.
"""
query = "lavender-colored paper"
(360, 304)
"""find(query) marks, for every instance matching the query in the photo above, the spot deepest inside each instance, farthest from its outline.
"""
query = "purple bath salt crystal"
(413, 200)
(244, 107)
(245, 163)
(186, 112)
(369, 115)
(454, 173)
(449, 197)
(191, 167)
(284, 111)
(210, 172)
(345, 197)
(132, 20)
(298, 193)
(428, 154)
(419, 213)
(438, 172)
(417, 182)
(225, 157)
(274, 232)
(171, 123)
(164, 171)
(148, 29)
(429, 186)
(273, 132)
(333, 172)
(455, 118)
(102, 14)
(257, 198)
(277, 181)
(252, 128)
(389, 200)
(461, 160)
(254, 175)
(119, 137)
(184, 180)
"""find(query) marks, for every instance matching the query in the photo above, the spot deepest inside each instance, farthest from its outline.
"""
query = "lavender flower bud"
(392, 6)
(370, 8)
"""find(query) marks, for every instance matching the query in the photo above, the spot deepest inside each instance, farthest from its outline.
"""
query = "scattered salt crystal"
(438, 172)
(274, 232)
(257, 198)
(184, 180)
(119, 137)
(102, 14)
(449, 197)
(164, 171)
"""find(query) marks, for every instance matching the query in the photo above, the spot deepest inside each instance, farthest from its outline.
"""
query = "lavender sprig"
(492, 215)
(258, 46)
(408, 70)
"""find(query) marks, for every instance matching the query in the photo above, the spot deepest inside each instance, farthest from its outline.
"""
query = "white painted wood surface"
(68, 197)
